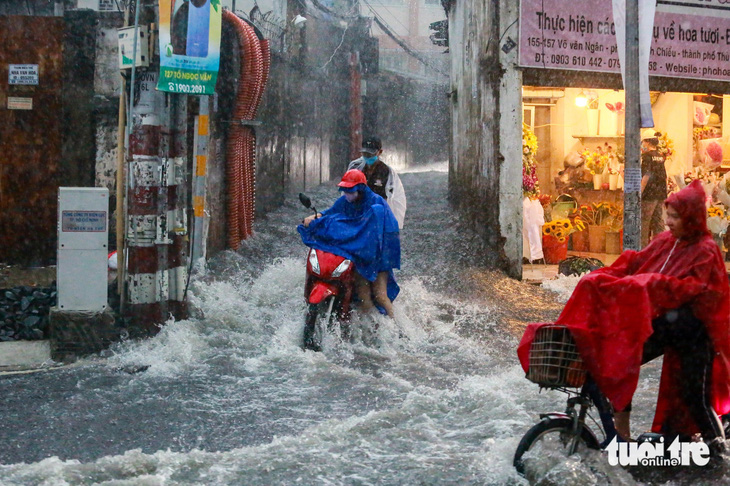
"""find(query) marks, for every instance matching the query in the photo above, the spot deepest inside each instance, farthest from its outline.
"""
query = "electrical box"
(83, 228)
(126, 47)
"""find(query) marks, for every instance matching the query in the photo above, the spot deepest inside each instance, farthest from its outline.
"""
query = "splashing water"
(229, 397)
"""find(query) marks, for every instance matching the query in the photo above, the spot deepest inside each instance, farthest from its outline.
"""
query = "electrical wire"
(402, 43)
(344, 31)
(486, 49)
(393, 15)
(346, 16)
(409, 50)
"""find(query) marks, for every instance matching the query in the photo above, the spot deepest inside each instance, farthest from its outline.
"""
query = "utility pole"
(355, 105)
(632, 142)
(156, 222)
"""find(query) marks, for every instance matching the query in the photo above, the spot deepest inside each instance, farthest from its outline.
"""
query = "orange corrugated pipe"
(241, 146)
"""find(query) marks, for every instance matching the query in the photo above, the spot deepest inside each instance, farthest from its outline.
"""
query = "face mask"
(370, 160)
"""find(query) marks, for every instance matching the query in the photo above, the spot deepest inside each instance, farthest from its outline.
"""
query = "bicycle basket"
(554, 359)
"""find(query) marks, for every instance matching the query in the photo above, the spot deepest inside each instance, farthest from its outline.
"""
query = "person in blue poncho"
(361, 227)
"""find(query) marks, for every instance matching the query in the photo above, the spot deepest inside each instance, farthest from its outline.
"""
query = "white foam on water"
(563, 285)
(432, 167)
(464, 435)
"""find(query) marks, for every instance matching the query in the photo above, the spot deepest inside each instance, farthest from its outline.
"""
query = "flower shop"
(573, 163)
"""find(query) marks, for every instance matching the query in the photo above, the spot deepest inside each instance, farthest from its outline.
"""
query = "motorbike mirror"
(304, 199)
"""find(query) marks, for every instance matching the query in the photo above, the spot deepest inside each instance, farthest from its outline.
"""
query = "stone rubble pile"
(24, 312)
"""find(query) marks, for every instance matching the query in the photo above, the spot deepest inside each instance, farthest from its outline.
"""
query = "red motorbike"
(328, 290)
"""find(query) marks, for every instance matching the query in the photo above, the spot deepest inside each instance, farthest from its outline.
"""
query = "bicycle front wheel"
(551, 436)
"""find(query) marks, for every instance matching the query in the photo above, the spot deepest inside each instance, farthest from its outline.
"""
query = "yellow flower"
(715, 211)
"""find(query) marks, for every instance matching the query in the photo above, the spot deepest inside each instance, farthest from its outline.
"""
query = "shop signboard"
(190, 37)
(690, 38)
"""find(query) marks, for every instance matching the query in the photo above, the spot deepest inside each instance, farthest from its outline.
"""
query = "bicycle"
(556, 364)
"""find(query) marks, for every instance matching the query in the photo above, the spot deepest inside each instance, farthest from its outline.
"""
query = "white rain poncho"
(393, 188)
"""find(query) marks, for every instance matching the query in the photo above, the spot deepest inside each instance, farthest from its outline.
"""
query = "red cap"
(352, 178)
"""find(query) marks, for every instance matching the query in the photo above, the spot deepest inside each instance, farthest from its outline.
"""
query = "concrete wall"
(485, 170)
(79, 108)
(674, 115)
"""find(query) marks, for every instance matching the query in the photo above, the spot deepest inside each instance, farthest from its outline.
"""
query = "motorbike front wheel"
(319, 318)
(551, 436)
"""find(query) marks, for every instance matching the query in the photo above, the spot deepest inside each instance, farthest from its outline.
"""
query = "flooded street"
(228, 397)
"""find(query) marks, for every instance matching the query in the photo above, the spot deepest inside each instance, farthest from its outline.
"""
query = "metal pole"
(632, 172)
(121, 192)
(122, 256)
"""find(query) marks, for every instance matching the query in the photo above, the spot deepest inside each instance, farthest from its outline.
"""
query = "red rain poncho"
(611, 310)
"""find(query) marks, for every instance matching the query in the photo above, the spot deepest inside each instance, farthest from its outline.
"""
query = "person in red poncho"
(671, 298)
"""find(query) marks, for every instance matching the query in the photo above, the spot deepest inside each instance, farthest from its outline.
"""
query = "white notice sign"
(83, 221)
(23, 74)
(632, 180)
(17, 103)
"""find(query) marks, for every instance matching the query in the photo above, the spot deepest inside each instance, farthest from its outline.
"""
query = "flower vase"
(614, 244)
(613, 181)
(593, 120)
(554, 250)
(597, 181)
(580, 240)
(597, 238)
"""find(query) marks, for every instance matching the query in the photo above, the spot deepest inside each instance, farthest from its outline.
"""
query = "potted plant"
(555, 238)
(596, 162)
(615, 232)
(579, 238)
(598, 217)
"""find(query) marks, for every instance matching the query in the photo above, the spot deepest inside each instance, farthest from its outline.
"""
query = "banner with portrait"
(190, 38)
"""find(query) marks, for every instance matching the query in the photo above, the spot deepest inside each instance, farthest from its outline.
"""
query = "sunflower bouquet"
(598, 214)
(714, 211)
(562, 228)
(703, 133)
(716, 221)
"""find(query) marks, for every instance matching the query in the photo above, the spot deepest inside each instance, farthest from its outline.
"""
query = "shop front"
(574, 122)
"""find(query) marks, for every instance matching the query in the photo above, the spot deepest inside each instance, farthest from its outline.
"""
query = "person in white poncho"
(382, 180)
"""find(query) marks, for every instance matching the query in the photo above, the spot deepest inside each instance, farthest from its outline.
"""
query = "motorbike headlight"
(313, 261)
(341, 268)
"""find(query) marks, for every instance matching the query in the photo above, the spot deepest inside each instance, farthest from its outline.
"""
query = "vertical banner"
(190, 38)
(647, 9)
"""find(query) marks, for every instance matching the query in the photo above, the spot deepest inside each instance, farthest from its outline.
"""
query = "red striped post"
(156, 218)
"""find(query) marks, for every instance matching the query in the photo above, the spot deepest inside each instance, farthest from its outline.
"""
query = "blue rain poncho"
(365, 232)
